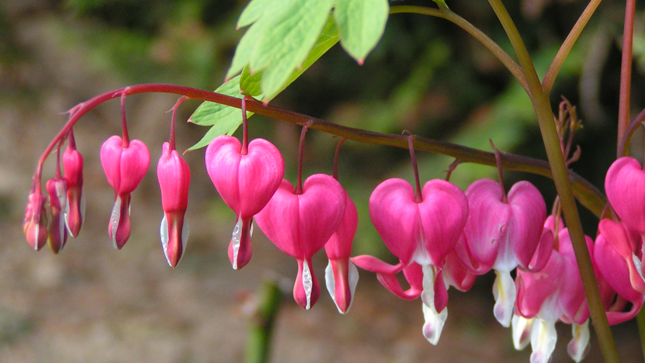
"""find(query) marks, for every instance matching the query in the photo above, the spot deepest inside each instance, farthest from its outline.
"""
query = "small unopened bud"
(35, 225)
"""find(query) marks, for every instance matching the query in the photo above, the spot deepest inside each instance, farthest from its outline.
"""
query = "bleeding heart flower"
(174, 179)
(300, 225)
(35, 224)
(73, 174)
(341, 275)
(625, 187)
(57, 234)
(420, 230)
(616, 255)
(554, 293)
(246, 181)
(124, 166)
(502, 233)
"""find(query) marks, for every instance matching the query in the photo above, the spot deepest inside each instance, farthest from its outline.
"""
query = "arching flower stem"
(124, 124)
(335, 170)
(171, 141)
(500, 173)
(301, 151)
(418, 197)
(245, 128)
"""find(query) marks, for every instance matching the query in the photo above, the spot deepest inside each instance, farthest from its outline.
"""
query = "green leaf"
(361, 24)
(227, 126)
(257, 9)
(285, 45)
(210, 113)
(250, 84)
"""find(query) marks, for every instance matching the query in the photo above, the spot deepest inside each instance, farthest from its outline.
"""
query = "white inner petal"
(543, 339)
(521, 331)
(434, 321)
(505, 294)
(236, 237)
(579, 345)
(330, 282)
(352, 273)
(307, 282)
(163, 232)
(114, 220)
(639, 265)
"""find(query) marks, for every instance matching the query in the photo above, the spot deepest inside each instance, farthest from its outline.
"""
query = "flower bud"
(35, 225)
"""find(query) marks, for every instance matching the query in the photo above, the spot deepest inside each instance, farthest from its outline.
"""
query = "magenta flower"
(174, 179)
(35, 224)
(73, 174)
(625, 187)
(300, 225)
(418, 229)
(554, 293)
(341, 275)
(502, 233)
(618, 256)
(57, 234)
(246, 181)
(125, 165)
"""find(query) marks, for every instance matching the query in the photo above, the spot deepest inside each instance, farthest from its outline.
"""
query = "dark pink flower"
(57, 234)
(174, 179)
(125, 167)
(502, 233)
(246, 183)
(341, 275)
(300, 225)
(625, 187)
(35, 224)
(73, 174)
(421, 230)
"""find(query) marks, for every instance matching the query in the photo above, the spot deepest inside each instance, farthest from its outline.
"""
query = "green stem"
(563, 52)
(626, 69)
(449, 15)
(544, 115)
(259, 337)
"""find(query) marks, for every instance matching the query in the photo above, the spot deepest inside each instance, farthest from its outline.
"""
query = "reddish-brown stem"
(588, 194)
(626, 70)
(57, 174)
(500, 174)
(335, 170)
(124, 124)
(623, 144)
(171, 142)
(301, 152)
(245, 128)
(413, 157)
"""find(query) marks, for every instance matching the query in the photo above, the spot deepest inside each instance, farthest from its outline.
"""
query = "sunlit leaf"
(210, 113)
(361, 24)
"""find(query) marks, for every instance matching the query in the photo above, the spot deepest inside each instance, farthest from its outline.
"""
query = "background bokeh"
(92, 303)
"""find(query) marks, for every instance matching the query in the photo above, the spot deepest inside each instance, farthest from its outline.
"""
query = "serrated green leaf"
(250, 83)
(361, 24)
(257, 9)
(226, 125)
(245, 48)
(286, 44)
(209, 113)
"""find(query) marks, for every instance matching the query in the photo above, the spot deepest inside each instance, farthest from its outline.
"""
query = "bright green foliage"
(361, 24)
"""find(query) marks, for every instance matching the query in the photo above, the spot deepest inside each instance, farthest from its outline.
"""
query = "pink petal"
(527, 221)
(339, 246)
(625, 187)
(373, 264)
(414, 276)
(306, 290)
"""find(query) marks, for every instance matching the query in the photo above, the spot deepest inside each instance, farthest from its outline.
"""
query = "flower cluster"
(440, 235)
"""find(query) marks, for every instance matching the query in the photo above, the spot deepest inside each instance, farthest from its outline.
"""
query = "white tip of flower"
(114, 220)
(330, 282)
(505, 294)
(433, 323)
(579, 346)
(163, 233)
(543, 339)
(307, 283)
(236, 238)
(521, 331)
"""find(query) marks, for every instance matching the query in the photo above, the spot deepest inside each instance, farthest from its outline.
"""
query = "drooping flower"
(618, 257)
(300, 224)
(625, 187)
(503, 232)
(341, 275)
(419, 229)
(554, 293)
(73, 174)
(125, 165)
(174, 180)
(57, 233)
(35, 223)
(246, 182)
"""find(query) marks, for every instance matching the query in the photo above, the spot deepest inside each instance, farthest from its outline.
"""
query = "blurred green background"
(93, 303)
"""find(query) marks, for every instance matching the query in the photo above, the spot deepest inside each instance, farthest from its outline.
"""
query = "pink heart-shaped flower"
(625, 187)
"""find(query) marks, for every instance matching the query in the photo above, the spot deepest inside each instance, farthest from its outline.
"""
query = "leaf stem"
(626, 69)
(487, 42)
(565, 48)
(542, 107)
